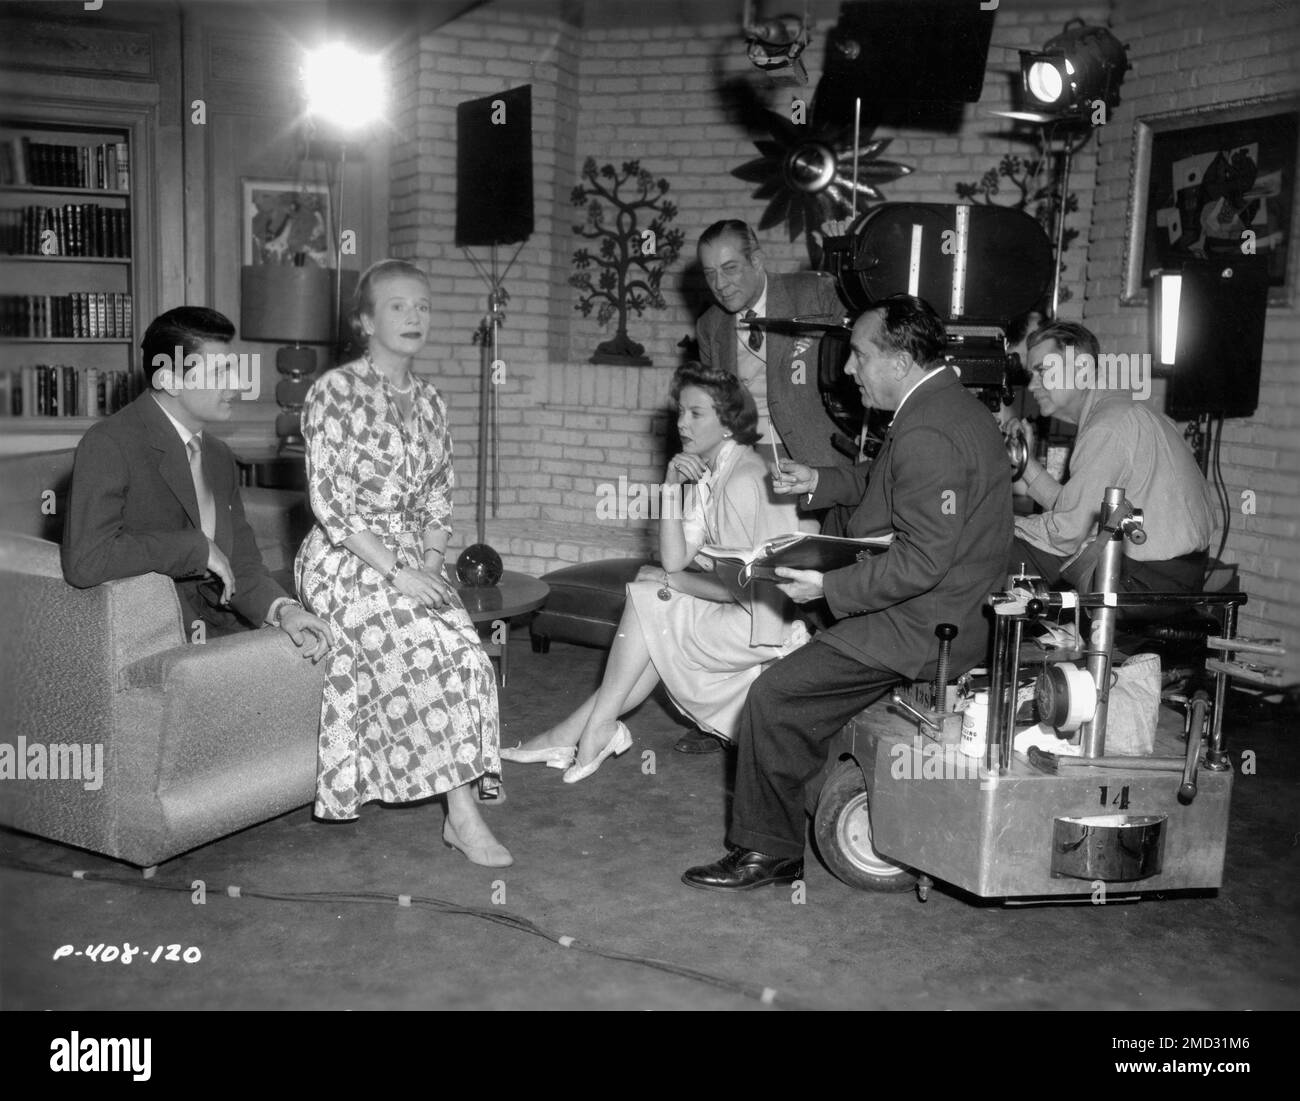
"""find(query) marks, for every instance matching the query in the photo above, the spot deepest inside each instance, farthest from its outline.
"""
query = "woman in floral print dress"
(409, 708)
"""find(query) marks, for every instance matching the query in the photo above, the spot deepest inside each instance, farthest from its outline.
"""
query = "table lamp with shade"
(294, 307)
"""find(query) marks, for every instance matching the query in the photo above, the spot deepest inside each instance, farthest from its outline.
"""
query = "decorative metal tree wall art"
(625, 271)
(808, 173)
(1035, 188)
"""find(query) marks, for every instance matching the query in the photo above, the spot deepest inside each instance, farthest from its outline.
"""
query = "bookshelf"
(69, 288)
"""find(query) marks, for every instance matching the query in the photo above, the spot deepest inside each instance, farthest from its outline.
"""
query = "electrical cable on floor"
(764, 994)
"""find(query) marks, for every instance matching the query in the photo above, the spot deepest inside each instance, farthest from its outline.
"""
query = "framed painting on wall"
(1214, 183)
(287, 222)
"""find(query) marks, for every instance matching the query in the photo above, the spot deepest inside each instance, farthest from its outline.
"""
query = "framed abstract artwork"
(1214, 183)
(287, 222)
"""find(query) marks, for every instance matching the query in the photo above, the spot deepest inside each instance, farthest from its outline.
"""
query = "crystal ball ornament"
(479, 566)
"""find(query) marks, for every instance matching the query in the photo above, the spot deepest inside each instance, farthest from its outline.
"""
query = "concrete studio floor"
(599, 862)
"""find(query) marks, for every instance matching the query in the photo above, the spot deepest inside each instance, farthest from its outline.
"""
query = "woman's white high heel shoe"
(495, 855)
(555, 756)
(621, 742)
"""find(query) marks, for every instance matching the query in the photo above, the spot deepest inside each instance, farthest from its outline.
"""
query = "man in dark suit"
(152, 492)
(779, 370)
(942, 486)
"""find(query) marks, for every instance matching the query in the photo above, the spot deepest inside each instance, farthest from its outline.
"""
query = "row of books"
(92, 315)
(59, 390)
(27, 163)
(74, 229)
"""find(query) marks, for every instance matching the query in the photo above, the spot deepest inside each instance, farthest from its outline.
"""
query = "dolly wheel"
(842, 829)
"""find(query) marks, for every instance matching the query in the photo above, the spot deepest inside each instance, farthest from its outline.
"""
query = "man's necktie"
(755, 333)
(207, 503)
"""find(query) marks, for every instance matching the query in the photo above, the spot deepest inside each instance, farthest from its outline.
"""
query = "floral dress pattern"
(409, 708)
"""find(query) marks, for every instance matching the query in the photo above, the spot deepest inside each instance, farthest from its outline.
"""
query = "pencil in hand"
(776, 458)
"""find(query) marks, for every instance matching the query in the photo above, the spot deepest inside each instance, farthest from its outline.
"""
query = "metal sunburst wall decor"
(808, 173)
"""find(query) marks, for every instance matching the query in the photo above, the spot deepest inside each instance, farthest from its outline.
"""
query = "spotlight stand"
(1065, 158)
(488, 338)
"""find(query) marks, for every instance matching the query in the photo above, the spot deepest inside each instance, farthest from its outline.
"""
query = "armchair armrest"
(229, 701)
(227, 732)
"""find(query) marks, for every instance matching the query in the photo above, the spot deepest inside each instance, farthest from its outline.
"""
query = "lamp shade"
(286, 304)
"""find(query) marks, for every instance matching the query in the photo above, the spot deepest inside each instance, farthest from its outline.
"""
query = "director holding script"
(942, 487)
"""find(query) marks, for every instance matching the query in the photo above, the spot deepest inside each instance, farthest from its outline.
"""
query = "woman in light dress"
(409, 708)
(702, 634)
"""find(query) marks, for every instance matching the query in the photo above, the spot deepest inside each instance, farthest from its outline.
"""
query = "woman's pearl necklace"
(410, 379)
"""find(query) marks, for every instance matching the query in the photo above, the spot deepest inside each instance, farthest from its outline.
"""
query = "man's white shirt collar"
(185, 434)
(925, 377)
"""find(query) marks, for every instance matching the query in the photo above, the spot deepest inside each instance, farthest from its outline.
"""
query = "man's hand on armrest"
(311, 634)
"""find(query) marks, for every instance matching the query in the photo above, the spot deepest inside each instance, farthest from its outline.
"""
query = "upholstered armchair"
(198, 740)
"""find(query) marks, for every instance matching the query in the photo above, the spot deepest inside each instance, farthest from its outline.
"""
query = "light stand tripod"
(1061, 161)
(487, 337)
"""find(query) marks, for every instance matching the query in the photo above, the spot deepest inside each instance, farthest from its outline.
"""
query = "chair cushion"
(586, 601)
(607, 575)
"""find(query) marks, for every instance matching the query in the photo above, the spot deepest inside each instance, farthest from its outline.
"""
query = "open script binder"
(800, 551)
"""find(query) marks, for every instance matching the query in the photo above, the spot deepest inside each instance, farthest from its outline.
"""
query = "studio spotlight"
(344, 88)
(1079, 67)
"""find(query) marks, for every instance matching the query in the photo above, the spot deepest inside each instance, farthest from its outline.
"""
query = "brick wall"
(653, 95)
(616, 93)
(1189, 55)
(467, 59)
(619, 93)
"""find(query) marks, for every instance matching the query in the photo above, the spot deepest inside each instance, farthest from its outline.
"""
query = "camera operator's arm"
(1102, 456)
(1040, 485)
(1035, 481)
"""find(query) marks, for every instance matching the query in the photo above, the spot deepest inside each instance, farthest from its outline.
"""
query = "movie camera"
(981, 267)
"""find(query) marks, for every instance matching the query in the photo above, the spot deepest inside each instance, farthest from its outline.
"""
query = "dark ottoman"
(585, 604)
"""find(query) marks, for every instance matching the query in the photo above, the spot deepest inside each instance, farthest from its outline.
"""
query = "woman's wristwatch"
(391, 575)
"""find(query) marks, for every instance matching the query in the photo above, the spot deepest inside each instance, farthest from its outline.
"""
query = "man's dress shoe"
(743, 870)
(698, 742)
